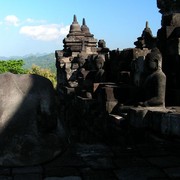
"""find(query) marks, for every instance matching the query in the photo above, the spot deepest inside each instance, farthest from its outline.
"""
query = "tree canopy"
(13, 66)
(16, 67)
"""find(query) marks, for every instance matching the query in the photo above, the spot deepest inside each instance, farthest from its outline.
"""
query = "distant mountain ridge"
(42, 60)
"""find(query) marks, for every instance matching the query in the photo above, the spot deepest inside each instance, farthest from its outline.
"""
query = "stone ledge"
(159, 119)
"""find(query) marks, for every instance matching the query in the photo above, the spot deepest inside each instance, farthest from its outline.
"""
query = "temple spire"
(147, 30)
(84, 22)
(74, 19)
(75, 27)
(84, 27)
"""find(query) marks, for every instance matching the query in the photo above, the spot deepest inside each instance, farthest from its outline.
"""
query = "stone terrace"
(154, 158)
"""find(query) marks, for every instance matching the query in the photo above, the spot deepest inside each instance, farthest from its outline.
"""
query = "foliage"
(44, 61)
(13, 66)
(45, 72)
(17, 67)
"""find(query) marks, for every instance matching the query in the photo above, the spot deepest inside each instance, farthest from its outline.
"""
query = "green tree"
(45, 72)
(13, 66)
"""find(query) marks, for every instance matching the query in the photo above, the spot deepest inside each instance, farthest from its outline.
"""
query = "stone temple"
(115, 114)
(79, 39)
(130, 86)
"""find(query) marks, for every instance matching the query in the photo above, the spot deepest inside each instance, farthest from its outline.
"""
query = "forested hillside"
(44, 61)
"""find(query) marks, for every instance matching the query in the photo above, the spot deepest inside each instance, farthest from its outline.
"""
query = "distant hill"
(44, 61)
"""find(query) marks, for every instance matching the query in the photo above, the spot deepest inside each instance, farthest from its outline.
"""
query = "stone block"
(139, 173)
(173, 172)
(6, 178)
(131, 161)
(171, 20)
(60, 172)
(109, 90)
(89, 174)
(148, 117)
(110, 105)
(93, 150)
(170, 124)
(137, 117)
(159, 119)
(64, 178)
(5, 171)
(27, 170)
(99, 163)
(173, 96)
(165, 161)
(173, 46)
(69, 90)
(117, 120)
(28, 177)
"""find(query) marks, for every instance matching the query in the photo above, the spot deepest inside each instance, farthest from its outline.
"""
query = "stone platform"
(99, 161)
(155, 158)
(165, 121)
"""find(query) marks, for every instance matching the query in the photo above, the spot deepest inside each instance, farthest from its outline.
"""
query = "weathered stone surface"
(170, 124)
(146, 150)
(29, 131)
(5, 171)
(68, 159)
(27, 170)
(89, 174)
(139, 173)
(173, 172)
(165, 162)
(64, 178)
(174, 46)
(158, 119)
(79, 38)
(85, 150)
(99, 162)
(28, 177)
(60, 171)
(141, 117)
(6, 178)
(137, 117)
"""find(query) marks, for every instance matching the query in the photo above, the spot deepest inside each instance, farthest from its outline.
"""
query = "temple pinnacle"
(84, 22)
(74, 19)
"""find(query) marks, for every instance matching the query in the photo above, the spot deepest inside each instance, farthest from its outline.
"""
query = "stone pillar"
(168, 42)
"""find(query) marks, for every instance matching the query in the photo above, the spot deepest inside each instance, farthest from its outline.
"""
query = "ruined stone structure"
(168, 42)
(101, 95)
(108, 91)
(79, 39)
(79, 44)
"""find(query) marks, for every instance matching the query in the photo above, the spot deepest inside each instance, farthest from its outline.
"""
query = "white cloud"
(30, 20)
(45, 32)
(12, 20)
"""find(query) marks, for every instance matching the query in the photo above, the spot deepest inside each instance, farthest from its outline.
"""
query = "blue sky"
(39, 26)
